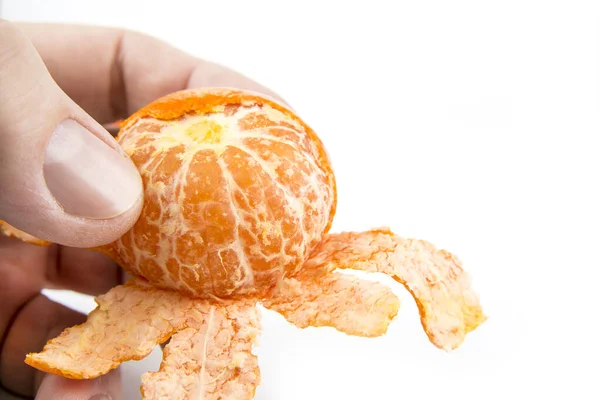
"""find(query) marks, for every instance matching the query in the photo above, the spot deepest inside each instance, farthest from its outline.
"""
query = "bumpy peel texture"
(212, 361)
(344, 302)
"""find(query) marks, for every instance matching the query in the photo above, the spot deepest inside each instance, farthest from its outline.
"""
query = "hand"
(63, 177)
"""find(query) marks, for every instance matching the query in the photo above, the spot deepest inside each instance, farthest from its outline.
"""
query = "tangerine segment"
(344, 302)
(448, 306)
(212, 362)
(238, 190)
(11, 231)
(127, 324)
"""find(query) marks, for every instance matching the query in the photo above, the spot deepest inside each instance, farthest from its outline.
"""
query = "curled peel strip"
(448, 306)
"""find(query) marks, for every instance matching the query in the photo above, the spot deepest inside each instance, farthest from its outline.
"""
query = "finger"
(116, 72)
(21, 277)
(83, 271)
(107, 387)
(28, 319)
(63, 178)
(26, 269)
(43, 319)
(31, 325)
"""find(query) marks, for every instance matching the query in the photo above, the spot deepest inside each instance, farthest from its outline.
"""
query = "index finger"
(113, 72)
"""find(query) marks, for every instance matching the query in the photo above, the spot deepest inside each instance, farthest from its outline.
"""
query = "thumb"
(63, 177)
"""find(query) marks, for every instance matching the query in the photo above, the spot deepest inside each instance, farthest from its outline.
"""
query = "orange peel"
(448, 306)
(347, 303)
(130, 320)
(212, 362)
(239, 199)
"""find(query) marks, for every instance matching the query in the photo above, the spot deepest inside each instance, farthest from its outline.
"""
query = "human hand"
(63, 178)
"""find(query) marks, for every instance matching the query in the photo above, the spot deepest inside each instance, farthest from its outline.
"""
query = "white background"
(472, 124)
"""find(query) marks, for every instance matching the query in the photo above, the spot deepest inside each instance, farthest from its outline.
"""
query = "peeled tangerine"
(239, 199)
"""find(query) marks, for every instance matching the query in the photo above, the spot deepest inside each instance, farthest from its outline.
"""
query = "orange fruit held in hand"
(238, 190)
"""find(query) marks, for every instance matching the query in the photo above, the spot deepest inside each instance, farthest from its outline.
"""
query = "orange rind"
(239, 199)
(448, 306)
(238, 191)
(347, 303)
(212, 362)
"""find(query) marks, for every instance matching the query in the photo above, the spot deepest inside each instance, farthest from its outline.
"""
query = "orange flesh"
(238, 191)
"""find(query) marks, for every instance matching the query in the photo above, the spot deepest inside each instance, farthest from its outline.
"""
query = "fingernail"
(100, 396)
(86, 176)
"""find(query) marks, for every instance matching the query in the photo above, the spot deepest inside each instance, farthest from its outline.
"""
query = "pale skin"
(94, 76)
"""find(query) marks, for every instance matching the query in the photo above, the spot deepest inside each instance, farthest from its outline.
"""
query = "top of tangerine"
(210, 100)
